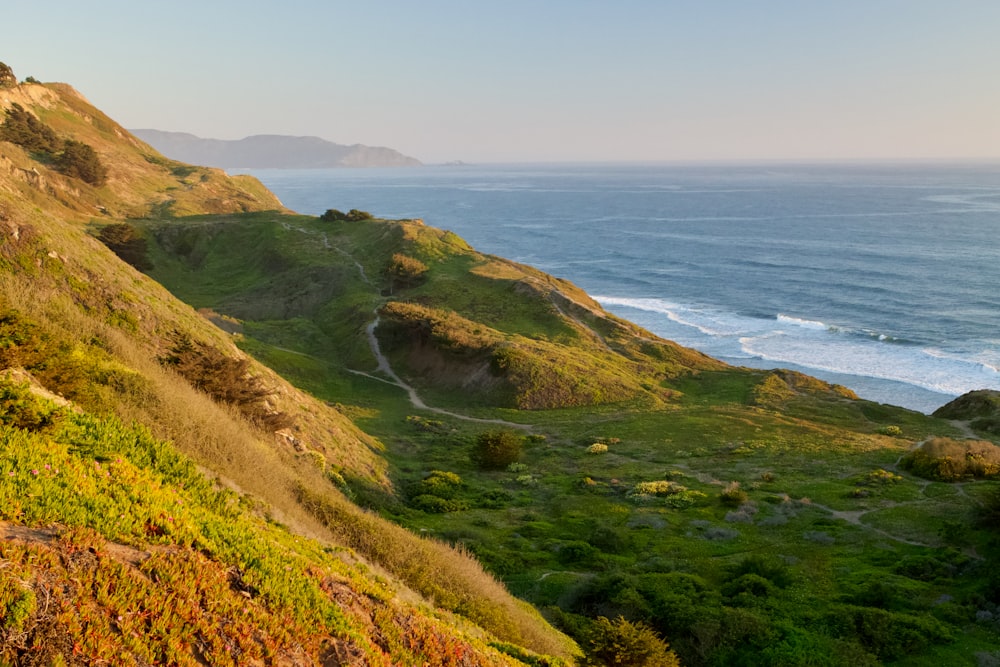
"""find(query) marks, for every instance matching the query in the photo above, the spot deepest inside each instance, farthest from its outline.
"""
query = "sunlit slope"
(490, 331)
(142, 369)
(139, 180)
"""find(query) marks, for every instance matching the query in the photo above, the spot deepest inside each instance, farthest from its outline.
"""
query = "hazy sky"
(538, 80)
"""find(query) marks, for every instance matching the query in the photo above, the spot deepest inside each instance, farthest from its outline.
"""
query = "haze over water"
(883, 278)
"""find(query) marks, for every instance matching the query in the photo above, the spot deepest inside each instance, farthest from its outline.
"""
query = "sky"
(539, 80)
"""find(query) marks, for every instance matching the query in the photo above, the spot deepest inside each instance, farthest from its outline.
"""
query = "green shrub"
(354, 215)
(774, 571)
(628, 644)
(79, 160)
(21, 127)
(951, 460)
(733, 494)
(495, 450)
(125, 241)
(438, 483)
(889, 635)
(21, 409)
(226, 379)
(404, 271)
(436, 505)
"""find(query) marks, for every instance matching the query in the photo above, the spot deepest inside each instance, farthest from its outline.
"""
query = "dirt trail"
(383, 363)
(415, 400)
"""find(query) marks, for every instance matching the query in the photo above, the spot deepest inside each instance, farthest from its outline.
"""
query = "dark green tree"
(79, 160)
(22, 128)
(7, 78)
(497, 449)
(125, 241)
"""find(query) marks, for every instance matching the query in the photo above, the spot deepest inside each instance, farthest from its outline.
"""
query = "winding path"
(383, 366)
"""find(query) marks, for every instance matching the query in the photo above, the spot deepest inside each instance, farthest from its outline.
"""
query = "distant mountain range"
(271, 151)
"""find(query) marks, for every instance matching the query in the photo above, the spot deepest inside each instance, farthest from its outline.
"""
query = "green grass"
(565, 527)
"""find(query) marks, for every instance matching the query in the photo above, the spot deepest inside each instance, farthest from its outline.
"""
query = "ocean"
(883, 278)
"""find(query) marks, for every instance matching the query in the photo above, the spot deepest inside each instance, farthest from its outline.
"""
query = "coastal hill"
(164, 498)
(271, 151)
(233, 434)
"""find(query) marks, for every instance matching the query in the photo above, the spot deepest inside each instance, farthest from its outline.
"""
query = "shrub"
(225, 379)
(404, 271)
(495, 450)
(79, 160)
(21, 127)
(436, 505)
(597, 448)
(577, 552)
(880, 477)
(7, 78)
(951, 460)
(438, 483)
(733, 494)
(891, 430)
(354, 215)
(628, 644)
(774, 571)
(125, 241)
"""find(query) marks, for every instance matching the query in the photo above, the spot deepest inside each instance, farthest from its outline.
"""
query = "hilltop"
(272, 151)
(245, 417)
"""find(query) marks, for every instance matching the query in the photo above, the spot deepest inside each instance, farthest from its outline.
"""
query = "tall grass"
(449, 577)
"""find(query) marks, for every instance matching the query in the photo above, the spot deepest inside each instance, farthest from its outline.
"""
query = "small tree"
(627, 644)
(496, 450)
(21, 127)
(404, 271)
(126, 242)
(79, 160)
(333, 215)
(7, 78)
(354, 215)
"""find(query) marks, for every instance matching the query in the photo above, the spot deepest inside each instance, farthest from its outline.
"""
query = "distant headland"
(271, 151)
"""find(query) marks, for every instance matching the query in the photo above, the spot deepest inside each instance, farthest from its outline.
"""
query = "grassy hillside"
(750, 517)
(630, 488)
(208, 512)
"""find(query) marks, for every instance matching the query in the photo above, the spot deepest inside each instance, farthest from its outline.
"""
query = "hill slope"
(228, 501)
(271, 151)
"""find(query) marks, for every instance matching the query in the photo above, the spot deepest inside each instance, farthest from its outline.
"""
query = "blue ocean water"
(884, 278)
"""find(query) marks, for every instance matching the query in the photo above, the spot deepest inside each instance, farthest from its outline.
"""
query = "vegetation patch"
(949, 460)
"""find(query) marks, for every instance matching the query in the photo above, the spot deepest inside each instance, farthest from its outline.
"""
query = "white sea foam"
(811, 344)
(799, 322)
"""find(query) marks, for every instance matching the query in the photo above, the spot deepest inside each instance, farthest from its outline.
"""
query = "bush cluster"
(404, 271)
(437, 493)
(225, 379)
(354, 215)
(73, 158)
(951, 460)
(495, 450)
(125, 241)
